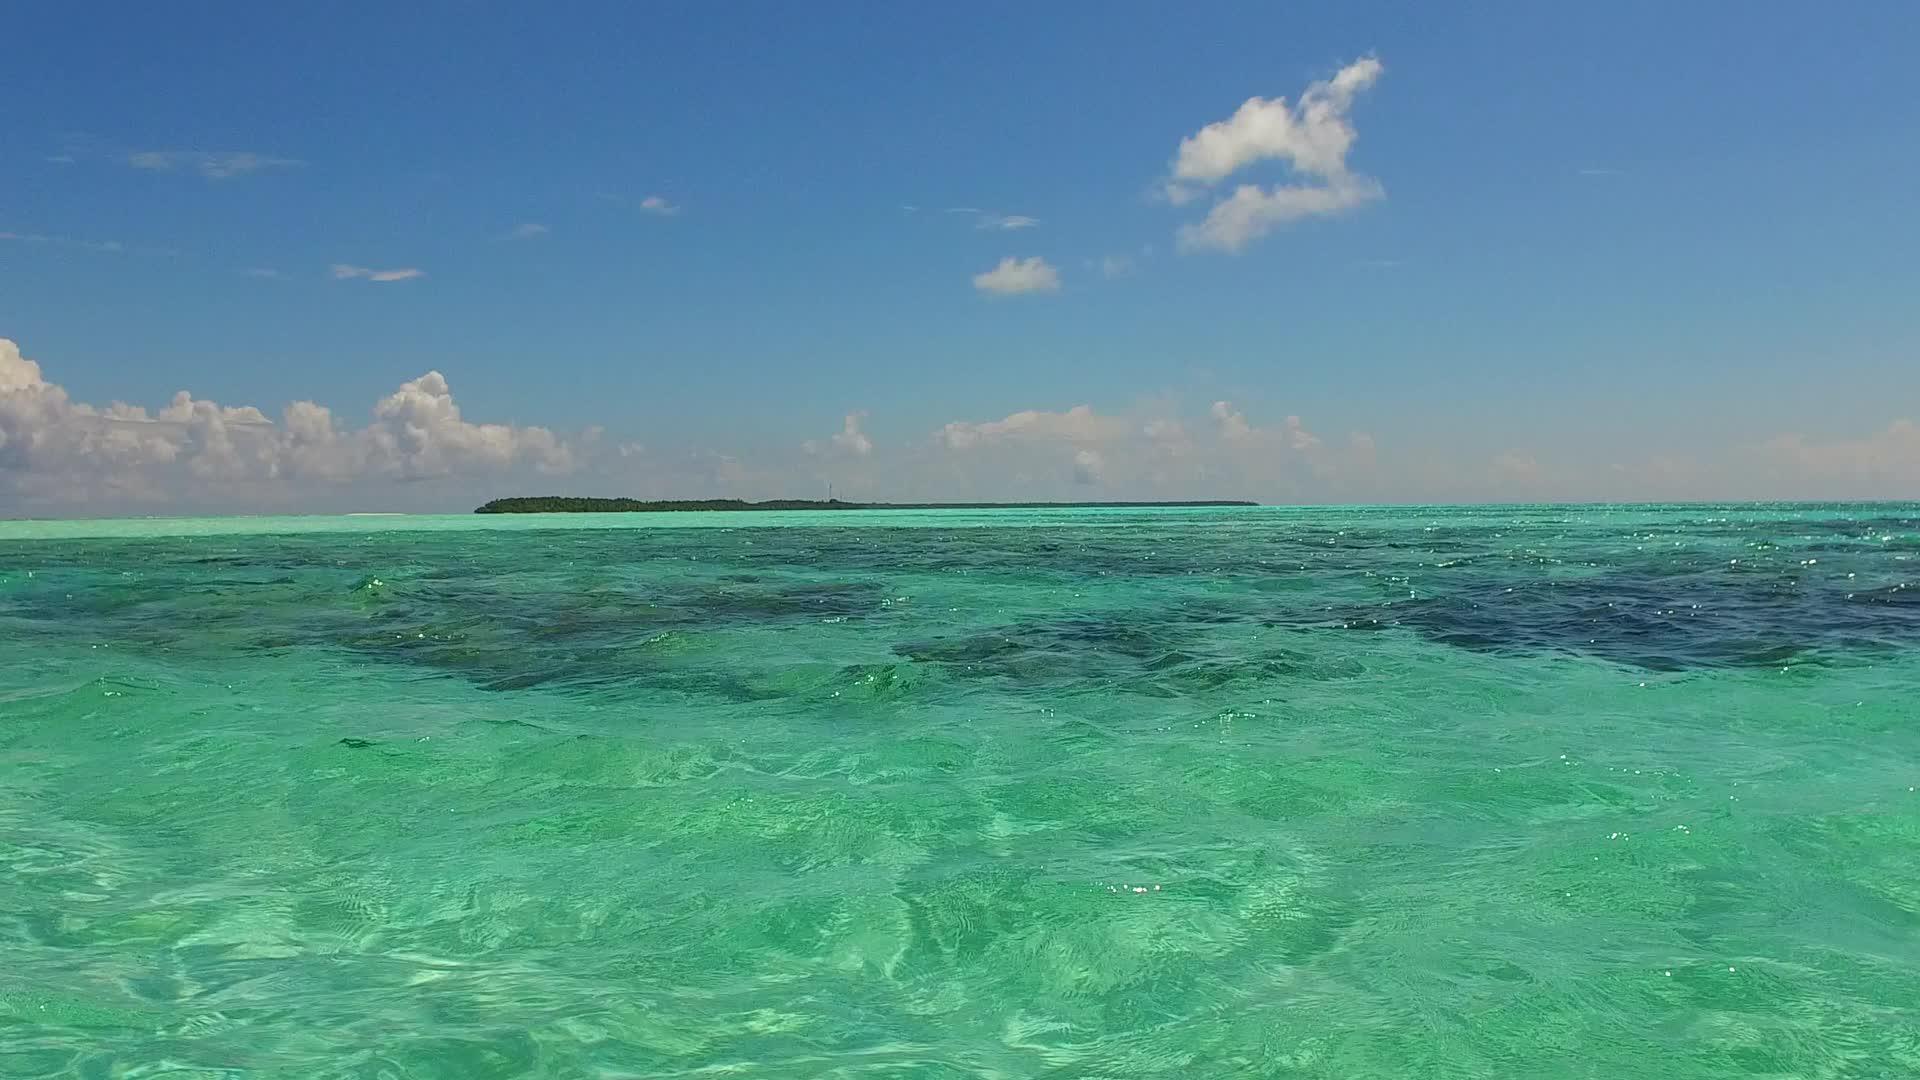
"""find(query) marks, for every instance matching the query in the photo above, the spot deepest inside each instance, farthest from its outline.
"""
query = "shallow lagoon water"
(1343, 793)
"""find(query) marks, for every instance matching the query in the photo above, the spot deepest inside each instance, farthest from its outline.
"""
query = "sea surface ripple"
(1510, 792)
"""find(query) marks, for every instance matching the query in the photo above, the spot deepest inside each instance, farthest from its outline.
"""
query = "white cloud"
(989, 219)
(214, 165)
(655, 204)
(345, 272)
(265, 272)
(1884, 463)
(1157, 449)
(1147, 453)
(63, 454)
(62, 451)
(851, 438)
(418, 432)
(1114, 266)
(1252, 212)
(1234, 428)
(1233, 423)
(17, 373)
(1007, 222)
(1518, 468)
(1165, 431)
(1013, 276)
(531, 230)
(848, 440)
(98, 247)
(1080, 424)
(1299, 438)
(1312, 138)
(1088, 467)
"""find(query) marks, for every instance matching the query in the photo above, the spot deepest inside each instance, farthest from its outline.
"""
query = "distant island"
(562, 504)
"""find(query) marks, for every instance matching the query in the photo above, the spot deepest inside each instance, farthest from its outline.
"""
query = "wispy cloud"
(1313, 138)
(266, 273)
(1007, 222)
(1013, 276)
(1598, 172)
(344, 272)
(1114, 266)
(990, 219)
(61, 159)
(212, 164)
(531, 230)
(656, 204)
(99, 247)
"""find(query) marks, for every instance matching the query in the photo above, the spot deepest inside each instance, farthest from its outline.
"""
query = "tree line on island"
(566, 504)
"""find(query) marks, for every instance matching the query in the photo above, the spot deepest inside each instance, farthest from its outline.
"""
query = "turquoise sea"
(1512, 792)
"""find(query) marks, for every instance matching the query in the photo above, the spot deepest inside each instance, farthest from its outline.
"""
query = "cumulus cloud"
(1517, 467)
(1080, 424)
(1234, 428)
(1883, 464)
(347, 272)
(56, 452)
(1233, 423)
(17, 373)
(1312, 138)
(1165, 431)
(1014, 276)
(1088, 466)
(1148, 452)
(1160, 449)
(418, 432)
(214, 165)
(53, 446)
(848, 440)
(656, 204)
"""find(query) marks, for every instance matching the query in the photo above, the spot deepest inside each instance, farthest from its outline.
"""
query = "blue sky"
(1643, 250)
